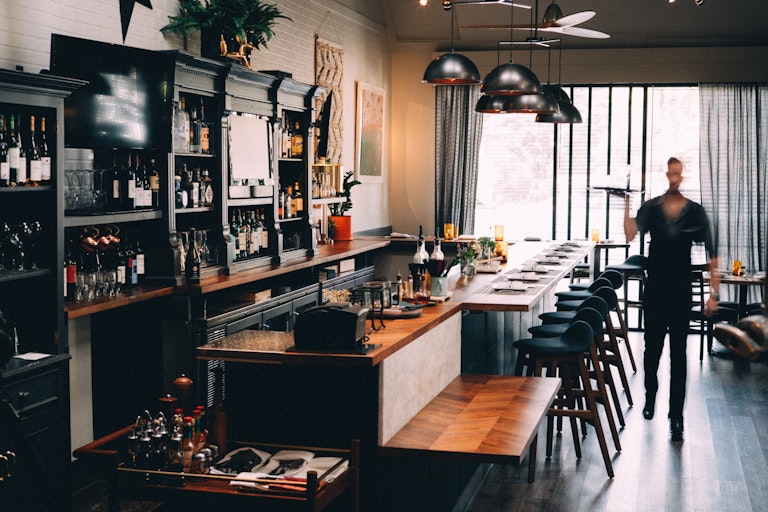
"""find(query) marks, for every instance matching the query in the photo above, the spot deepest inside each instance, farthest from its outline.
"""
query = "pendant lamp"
(566, 113)
(510, 79)
(487, 104)
(543, 103)
(451, 68)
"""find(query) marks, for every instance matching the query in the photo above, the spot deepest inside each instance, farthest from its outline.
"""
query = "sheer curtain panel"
(458, 130)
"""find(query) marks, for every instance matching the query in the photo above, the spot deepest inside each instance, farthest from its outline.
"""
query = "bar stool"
(607, 349)
(632, 269)
(568, 356)
(583, 294)
(614, 276)
(558, 317)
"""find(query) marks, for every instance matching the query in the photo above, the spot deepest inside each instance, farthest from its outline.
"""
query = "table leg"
(532, 459)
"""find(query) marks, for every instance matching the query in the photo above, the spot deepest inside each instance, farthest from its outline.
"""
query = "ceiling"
(630, 23)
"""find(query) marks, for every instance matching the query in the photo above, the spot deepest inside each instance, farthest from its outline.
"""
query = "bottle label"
(115, 189)
(46, 168)
(140, 264)
(13, 157)
(299, 204)
(254, 242)
(71, 274)
(5, 171)
(265, 239)
(35, 170)
(205, 139)
(121, 274)
(208, 195)
(21, 170)
(131, 189)
(154, 183)
(134, 270)
(241, 240)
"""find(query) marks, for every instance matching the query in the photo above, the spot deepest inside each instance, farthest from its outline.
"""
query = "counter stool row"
(582, 356)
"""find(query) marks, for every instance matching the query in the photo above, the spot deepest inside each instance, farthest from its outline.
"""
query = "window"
(627, 132)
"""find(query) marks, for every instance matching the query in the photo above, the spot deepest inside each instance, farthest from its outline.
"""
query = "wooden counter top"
(275, 347)
(477, 294)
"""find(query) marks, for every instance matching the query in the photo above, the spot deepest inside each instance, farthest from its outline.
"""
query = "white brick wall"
(26, 27)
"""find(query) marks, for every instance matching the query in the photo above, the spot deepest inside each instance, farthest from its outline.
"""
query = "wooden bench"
(480, 418)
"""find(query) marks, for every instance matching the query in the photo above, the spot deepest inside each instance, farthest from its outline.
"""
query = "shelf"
(198, 209)
(195, 155)
(281, 159)
(22, 189)
(251, 201)
(290, 219)
(15, 275)
(328, 200)
(111, 217)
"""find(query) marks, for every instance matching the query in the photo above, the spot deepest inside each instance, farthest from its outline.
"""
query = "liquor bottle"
(437, 252)
(233, 237)
(188, 445)
(154, 183)
(205, 131)
(33, 157)
(130, 184)
(140, 262)
(286, 138)
(297, 142)
(298, 198)
(254, 237)
(180, 127)
(5, 166)
(70, 273)
(178, 193)
(138, 186)
(242, 234)
(23, 165)
(194, 131)
(194, 194)
(281, 205)
(146, 185)
(121, 266)
(186, 186)
(264, 232)
(13, 152)
(45, 153)
(288, 203)
(207, 191)
(114, 200)
(192, 260)
(420, 256)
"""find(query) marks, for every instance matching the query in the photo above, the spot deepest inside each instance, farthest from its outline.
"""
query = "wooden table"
(743, 282)
(482, 418)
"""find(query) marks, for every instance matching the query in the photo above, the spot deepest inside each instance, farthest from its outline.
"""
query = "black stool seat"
(591, 316)
(576, 339)
(558, 317)
(614, 276)
(583, 294)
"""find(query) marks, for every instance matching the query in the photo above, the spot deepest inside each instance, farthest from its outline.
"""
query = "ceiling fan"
(554, 21)
(448, 4)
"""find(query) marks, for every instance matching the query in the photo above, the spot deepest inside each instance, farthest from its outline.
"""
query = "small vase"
(468, 268)
(343, 228)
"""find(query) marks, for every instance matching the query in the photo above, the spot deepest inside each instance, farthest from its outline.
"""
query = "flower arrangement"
(467, 252)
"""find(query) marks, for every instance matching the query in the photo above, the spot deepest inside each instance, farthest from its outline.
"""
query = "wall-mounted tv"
(128, 101)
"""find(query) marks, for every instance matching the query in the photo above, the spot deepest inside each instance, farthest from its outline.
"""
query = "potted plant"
(230, 28)
(341, 222)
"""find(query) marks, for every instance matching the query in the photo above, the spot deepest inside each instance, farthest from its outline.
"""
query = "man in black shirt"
(674, 223)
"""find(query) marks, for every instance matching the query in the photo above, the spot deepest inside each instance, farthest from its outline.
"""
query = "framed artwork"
(369, 132)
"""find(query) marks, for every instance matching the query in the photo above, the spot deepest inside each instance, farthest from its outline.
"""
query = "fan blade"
(577, 32)
(574, 19)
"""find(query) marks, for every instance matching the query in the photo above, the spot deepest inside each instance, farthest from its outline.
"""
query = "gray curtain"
(733, 159)
(457, 132)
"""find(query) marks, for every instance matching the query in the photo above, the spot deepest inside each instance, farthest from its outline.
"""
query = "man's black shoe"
(676, 426)
(650, 405)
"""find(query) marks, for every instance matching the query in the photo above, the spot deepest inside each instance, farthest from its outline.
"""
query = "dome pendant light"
(511, 79)
(566, 113)
(451, 68)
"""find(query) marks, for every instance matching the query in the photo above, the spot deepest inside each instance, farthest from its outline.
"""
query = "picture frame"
(369, 133)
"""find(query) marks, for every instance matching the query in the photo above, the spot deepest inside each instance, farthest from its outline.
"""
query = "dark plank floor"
(722, 465)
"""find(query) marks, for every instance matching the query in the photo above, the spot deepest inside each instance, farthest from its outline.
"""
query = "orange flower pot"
(342, 231)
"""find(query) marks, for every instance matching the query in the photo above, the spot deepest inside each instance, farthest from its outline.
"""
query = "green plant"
(339, 209)
(486, 242)
(251, 20)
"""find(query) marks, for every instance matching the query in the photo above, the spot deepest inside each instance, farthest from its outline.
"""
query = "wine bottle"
(233, 237)
(288, 209)
(298, 198)
(264, 232)
(297, 142)
(154, 183)
(70, 272)
(242, 234)
(192, 260)
(205, 131)
(207, 189)
(130, 184)
(194, 131)
(33, 157)
(115, 197)
(138, 185)
(5, 166)
(140, 260)
(45, 153)
(23, 168)
(194, 193)
(180, 127)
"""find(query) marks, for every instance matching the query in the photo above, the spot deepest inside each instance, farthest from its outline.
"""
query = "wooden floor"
(722, 465)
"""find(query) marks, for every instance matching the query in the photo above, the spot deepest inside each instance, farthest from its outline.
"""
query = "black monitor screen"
(128, 101)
